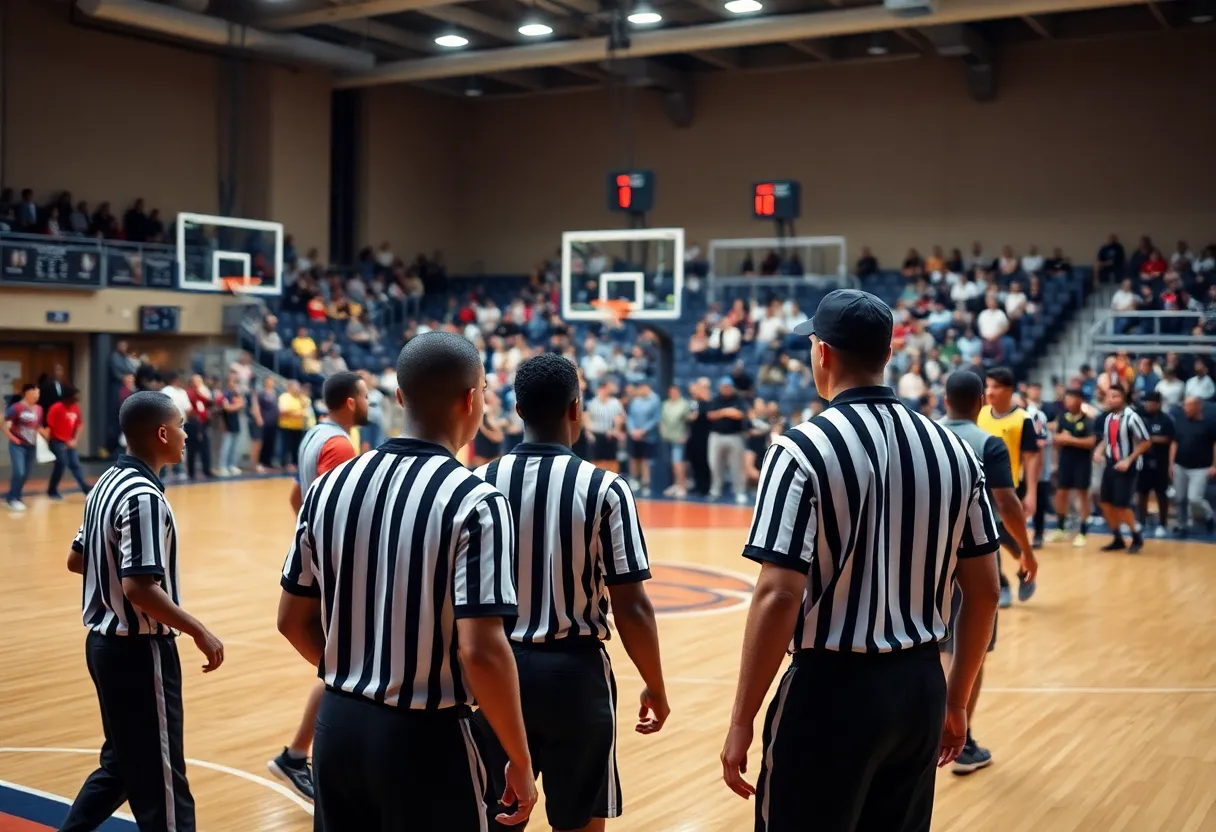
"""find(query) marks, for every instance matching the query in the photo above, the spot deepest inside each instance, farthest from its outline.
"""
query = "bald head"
(435, 370)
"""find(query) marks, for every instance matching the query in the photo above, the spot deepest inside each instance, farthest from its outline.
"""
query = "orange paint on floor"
(673, 514)
(8, 823)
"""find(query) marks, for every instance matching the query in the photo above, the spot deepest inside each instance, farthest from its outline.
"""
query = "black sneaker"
(1037, 543)
(1210, 524)
(1114, 546)
(296, 773)
(972, 759)
(58, 498)
(1181, 532)
(1137, 545)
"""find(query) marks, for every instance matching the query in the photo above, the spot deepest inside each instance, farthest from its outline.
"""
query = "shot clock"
(779, 199)
(631, 191)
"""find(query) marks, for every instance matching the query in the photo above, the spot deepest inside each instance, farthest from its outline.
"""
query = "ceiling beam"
(476, 21)
(820, 50)
(586, 71)
(526, 79)
(856, 20)
(1155, 8)
(387, 34)
(721, 58)
(348, 11)
(1039, 27)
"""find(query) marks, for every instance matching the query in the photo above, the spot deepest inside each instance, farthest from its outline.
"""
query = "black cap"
(1153, 396)
(1075, 391)
(852, 321)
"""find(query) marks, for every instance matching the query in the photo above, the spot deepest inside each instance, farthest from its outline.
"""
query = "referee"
(396, 588)
(864, 514)
(127, 551)
(606, 419)
(579, 544)
(1123, 439)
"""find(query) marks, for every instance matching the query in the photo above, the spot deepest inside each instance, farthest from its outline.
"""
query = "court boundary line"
(220, 767)
(1061, 690)
(30, 790)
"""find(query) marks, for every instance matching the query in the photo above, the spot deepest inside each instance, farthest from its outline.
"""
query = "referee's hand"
(734, 760)
(211, 647)
(652, 713)
(520, 791)
(954, 735)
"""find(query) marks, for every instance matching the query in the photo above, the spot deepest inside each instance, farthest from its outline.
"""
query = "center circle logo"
(679, 589)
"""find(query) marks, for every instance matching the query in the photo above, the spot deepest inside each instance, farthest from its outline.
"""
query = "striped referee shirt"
(603, 415)
(577, 532)
(128, 530)
(874, 503)
(398, 543)
(1120, 434)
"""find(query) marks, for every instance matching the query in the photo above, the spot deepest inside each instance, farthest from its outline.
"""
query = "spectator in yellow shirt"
(306, 348)
(294, 408)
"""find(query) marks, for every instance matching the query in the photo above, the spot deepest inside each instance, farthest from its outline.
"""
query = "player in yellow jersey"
(1013, 426)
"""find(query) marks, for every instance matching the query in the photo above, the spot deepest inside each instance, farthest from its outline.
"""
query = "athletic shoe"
(1057, 536)
(56, 497)
(1114, 546)
(1160, 532)
(972, 759)
(645, 492)
(1078, 542)
(1137, 545)
(296, 773)
(1026, 588)
(16, 505)
(742, 499)
(1037, 543)
(1006, 598)
(670, 491)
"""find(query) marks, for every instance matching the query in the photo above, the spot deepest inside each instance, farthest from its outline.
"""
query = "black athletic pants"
(139, 686)
(383, 769)
(198, 448)
(851, 741)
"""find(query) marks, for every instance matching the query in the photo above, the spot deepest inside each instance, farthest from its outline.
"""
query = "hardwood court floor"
(1100, 705)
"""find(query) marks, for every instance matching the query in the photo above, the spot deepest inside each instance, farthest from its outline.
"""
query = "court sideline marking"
(235, 772)
(17, 787)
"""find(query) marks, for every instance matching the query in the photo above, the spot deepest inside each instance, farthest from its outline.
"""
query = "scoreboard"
(631, 191)
(779, 199)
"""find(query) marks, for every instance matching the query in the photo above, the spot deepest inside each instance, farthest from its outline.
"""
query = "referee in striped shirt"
(1124, 439)
(396, 588)
(579, 544)
(864, 516)
(127, 551)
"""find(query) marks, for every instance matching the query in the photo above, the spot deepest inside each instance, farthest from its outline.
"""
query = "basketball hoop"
(239, 284)
(613, 311)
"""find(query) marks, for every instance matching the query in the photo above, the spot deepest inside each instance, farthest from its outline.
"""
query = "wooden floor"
(1100, 706)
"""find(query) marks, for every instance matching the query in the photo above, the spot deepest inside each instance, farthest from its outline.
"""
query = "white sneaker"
(1160, 532)
(679, 493)
(742, 499)
(1078, 542)
(670, 491)
(16, 505)
(1057, 536)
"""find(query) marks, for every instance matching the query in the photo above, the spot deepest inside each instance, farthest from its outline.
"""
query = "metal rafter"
(820, 50)
(348, 11)
(721, 58)
(1038, 26)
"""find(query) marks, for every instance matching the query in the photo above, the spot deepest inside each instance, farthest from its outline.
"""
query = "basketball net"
(239, 284)
(614, 311)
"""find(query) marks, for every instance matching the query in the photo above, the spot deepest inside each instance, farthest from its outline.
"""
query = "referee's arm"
(300, 602)
(782, 539)
(76, 553)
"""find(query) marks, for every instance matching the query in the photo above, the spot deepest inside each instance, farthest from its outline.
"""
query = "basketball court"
(1099, 704)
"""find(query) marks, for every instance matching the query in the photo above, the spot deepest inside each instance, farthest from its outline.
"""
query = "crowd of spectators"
(63, 216)
(1184, 283)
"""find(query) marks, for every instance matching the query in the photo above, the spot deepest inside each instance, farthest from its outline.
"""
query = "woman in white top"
(912, 384)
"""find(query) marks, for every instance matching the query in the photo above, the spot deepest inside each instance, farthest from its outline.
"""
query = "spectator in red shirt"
(198, 437)
(1155, 267)
(63, 421)
(23, 421)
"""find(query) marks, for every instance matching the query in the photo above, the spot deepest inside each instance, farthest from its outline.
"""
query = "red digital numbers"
(766, 201)
(624, 192)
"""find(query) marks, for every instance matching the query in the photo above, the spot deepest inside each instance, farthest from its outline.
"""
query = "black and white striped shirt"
(128, 530)
(874, 503)
(1120, 433)
(603, 415)
(577, 532)
(398, 543)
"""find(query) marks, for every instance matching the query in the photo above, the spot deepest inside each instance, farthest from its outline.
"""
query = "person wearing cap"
(864, 516)
(1155, 477)
(1193, 463)
(1075, 437)
(727, 425)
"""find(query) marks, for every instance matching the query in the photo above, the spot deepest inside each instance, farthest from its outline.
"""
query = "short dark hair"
(25, 388)
(143, 412)
(435, 369)
(1002, 376)
(338, 388)
(858, 364)
(964, 391)
(1120, 389)
(545, 386)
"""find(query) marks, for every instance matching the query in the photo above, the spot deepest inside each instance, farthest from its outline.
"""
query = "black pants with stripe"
(139, 686)
(850, 743)
(383, 769)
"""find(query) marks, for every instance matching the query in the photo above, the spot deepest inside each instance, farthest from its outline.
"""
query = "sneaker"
(58, 498)
(679, 493)
(1026, 589)
(1006, 598)
(295, 773)
(1181, 532)
(714, 497)
(645, 492)
(742, 499)
(972, 759)
(1114, 546)
(1137, 545)
(16, 505)
(1078, 542)
(670, 491)
(1037, 543)
(1160, 532)
(1057, 536)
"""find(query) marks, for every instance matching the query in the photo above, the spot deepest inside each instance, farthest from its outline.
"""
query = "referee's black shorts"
(569, 703)
(603, 448)
(387, 769)
(851, 741)
(1118, 487)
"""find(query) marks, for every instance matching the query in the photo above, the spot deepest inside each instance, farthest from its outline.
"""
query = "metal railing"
(1151, 333)
(86, 262)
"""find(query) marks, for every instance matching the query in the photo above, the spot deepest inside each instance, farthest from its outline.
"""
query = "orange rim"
(618, 309)
(235, 284)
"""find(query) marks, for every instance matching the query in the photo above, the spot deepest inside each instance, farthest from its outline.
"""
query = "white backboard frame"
(673, 235)
(638, 279)
(274, 287)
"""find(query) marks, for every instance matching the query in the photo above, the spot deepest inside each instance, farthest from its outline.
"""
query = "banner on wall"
(50, 264)
(139, 268)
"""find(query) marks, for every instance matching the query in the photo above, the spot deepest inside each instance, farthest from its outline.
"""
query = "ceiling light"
(473, 88)
(535, 30)
(877, 46)
(644, 15)
(1202, 18)
(743, 6)
(452, 41)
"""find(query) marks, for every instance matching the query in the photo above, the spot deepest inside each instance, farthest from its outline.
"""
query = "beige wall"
(109, 310)
(1084, 139)
(299, 160)
(411, 173)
